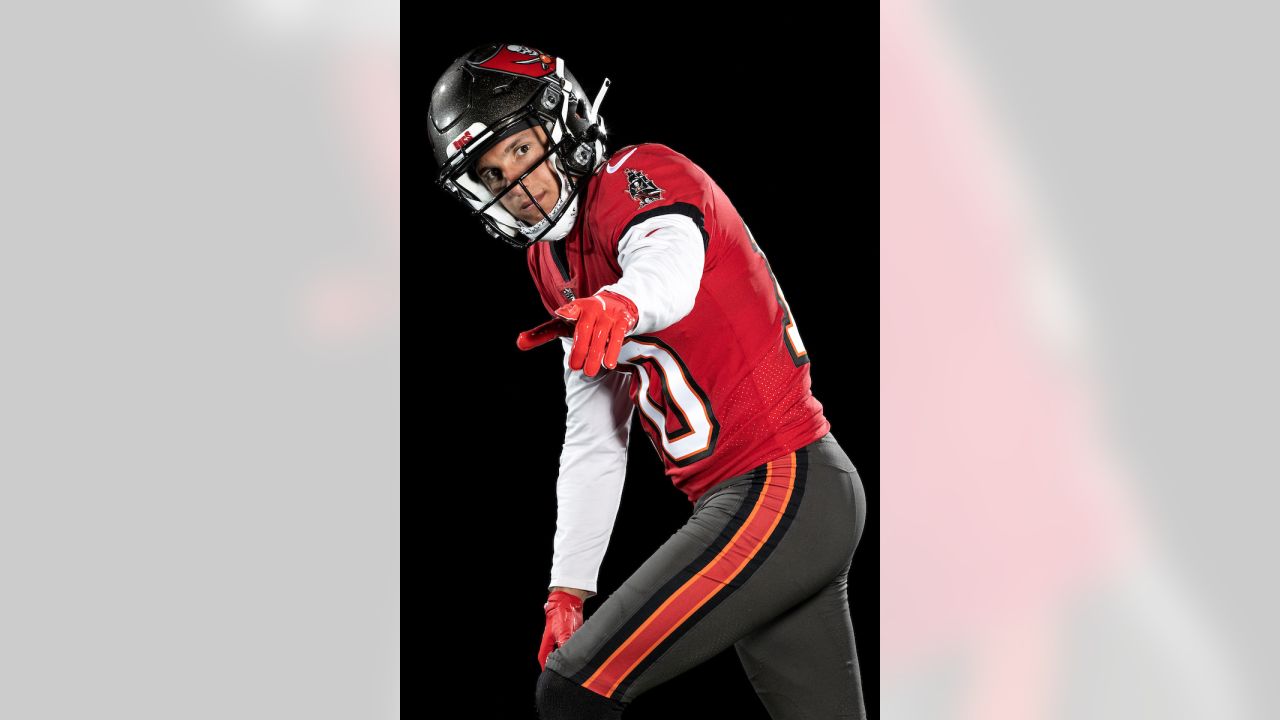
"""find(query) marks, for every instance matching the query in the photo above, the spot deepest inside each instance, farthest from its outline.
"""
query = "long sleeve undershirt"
(662, 260)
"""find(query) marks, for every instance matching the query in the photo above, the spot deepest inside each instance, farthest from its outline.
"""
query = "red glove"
(548, 330)
(564, 617)
(599, 325)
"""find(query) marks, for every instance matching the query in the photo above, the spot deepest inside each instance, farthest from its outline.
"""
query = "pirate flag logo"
(521, 60)
(642, 188)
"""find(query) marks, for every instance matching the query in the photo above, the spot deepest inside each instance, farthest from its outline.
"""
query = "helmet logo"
(520, 60)
(462, 140)
(641, 187)
(465, 138)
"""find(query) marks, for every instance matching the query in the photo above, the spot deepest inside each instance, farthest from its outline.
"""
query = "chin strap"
(566, 221)
(595, 104)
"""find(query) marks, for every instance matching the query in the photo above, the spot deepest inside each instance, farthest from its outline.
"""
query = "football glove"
(548, 330)
(564, 617)
(599, 325)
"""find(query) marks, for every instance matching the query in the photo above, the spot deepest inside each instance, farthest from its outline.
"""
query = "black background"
(776, 125)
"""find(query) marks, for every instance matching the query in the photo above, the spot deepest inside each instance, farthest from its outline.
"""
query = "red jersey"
(725, 388)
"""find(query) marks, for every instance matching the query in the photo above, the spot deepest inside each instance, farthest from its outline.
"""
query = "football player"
(663, 302)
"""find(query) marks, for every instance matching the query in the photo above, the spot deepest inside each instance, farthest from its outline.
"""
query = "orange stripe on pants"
(780, 477)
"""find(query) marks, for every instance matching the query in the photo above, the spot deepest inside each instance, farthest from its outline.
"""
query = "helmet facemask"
(486, 201)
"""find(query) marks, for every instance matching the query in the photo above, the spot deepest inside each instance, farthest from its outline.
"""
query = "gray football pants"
(763, 565)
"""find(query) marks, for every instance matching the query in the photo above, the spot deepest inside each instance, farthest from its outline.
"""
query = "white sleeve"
(662, 260)
(593, 465)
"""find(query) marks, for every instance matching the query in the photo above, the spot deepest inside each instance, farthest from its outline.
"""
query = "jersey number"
(790, 333)
(697, 429)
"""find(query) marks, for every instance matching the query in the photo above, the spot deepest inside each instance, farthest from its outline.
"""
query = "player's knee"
(559, 698)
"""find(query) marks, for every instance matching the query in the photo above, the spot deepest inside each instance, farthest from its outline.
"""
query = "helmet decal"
(462, 141)
(642, 189)
(521, 60)
(466, 137)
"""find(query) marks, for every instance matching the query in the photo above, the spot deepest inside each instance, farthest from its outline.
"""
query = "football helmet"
(495, 91)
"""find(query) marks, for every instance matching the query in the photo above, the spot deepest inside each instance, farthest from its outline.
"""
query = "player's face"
(508, 160)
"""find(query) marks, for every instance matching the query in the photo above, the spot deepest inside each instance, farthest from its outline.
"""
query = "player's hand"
(598, 324)
(601, 323)
(564, 617)
(547, 331)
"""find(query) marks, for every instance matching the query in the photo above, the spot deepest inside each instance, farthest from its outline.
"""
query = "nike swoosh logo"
(612, 168)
